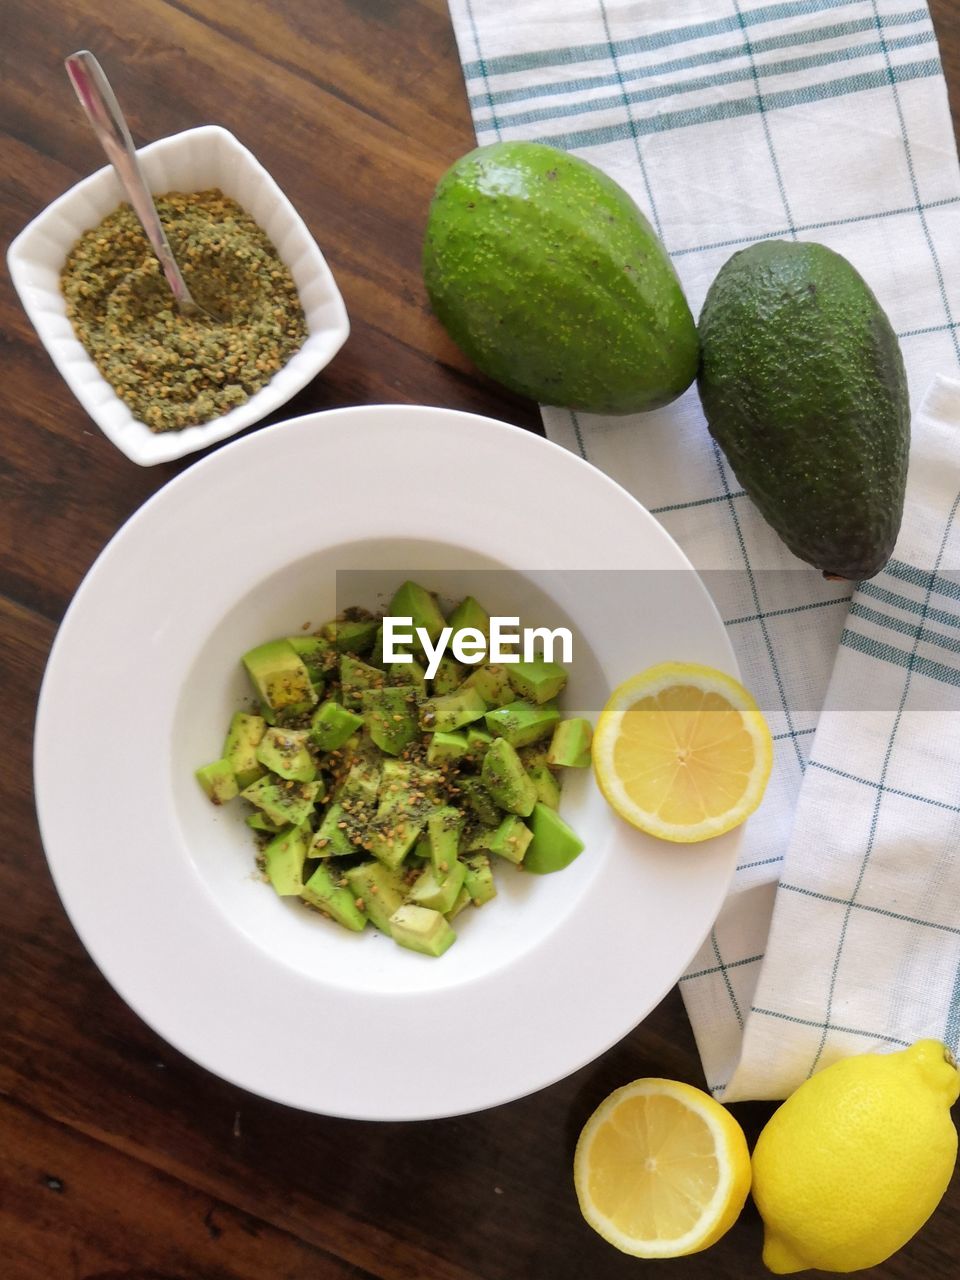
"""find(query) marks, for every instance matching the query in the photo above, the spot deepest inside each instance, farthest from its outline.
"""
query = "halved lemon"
(661, 1169)
(682, 751)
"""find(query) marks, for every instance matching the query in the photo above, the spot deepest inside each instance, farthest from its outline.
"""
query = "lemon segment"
(661, 1169)
(682, 751)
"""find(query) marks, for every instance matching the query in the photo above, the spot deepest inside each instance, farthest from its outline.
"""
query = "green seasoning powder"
(172, 370)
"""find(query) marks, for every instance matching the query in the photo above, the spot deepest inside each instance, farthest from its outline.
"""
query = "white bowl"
(247, 545)
(194, 160)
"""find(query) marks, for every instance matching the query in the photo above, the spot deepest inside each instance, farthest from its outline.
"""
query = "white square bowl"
(194, 160)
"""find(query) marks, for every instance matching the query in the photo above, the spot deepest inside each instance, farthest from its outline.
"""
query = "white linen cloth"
(731, 121)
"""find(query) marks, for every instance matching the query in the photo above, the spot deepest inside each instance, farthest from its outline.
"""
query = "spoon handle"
(103, 111)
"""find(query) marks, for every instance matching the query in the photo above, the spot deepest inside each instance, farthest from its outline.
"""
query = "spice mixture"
(172, 370)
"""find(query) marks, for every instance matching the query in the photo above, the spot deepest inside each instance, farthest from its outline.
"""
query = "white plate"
(195, 160)
(145, 672)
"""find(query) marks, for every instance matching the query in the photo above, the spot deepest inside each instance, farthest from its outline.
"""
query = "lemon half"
(661, 1169)
(682, 751)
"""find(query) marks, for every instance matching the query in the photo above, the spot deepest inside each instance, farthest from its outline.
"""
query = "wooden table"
(118, 1157)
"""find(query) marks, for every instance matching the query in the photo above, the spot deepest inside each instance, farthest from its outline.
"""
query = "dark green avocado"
(804, 389)
(544, 271)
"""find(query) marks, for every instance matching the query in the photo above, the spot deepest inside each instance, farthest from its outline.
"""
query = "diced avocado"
(477, 838)
(554, 846)
(522, 722)
(469, 613)
(538, 681)
(478, 798)
(218, 781)
(410, 673)
(390, 839)
(332, 840)
(504, 776)
(240, 747)
(478, 740)
(452, 710)
(407, 786)
(375, 656)
(429, 890)
(478, 880)
(492, 685)
(548, 788)
(391, 717)
(444, 826)
(317, 655)
(570, 744)
(284, 803)
(362, 782)
(380, 890)
(462, 900)
(284, 752)
(446, 746)
(284, 857)
(420, 929)
(334, 900)
(331, 725)
(351, 635)
(260, 822)
(511, 839)
(449, 676)
(280, 678)
(415, 602)
(356, 676)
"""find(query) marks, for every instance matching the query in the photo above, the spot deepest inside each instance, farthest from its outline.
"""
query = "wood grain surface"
(119, 1158)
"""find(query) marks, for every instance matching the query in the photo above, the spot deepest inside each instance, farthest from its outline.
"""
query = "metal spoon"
(103, 111)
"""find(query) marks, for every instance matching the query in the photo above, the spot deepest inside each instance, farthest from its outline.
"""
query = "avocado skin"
(803, 386)
(547, 275)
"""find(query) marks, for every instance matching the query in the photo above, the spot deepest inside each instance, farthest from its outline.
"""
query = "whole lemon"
(853, 1163)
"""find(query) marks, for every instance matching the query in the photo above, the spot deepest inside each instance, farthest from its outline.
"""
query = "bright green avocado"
(544, 271)
(803, 386)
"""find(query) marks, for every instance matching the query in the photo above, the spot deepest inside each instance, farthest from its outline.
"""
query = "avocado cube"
(285, 803)
(421, 929)
(391, 717)
(380, 890)
(284, 857)
(478, 880)
(415, 602)
(334, 900)
(409, 673)
(317, 656)
(548, 788)
(260, 822)
(351, 635)
(440, 893)
(538, 681)
(478, 740)
(462, 900)
(280, 678)
(444, 826)
(505, 778)
(492, 684)
(449, 676)
(469, 613)
(390, 839)
(356, 676)
(554, 846)
(218, 781)
(479, 800)
(446, 747)
(362, 783)
(477, 839)
(570, 744)
(521, 723)
(511, 839)
(332, 840)
(451, 711)
(240, 747)
(331, 725)
(284, 752)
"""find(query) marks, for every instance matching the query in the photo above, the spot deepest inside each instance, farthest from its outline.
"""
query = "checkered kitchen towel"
(731, 121)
